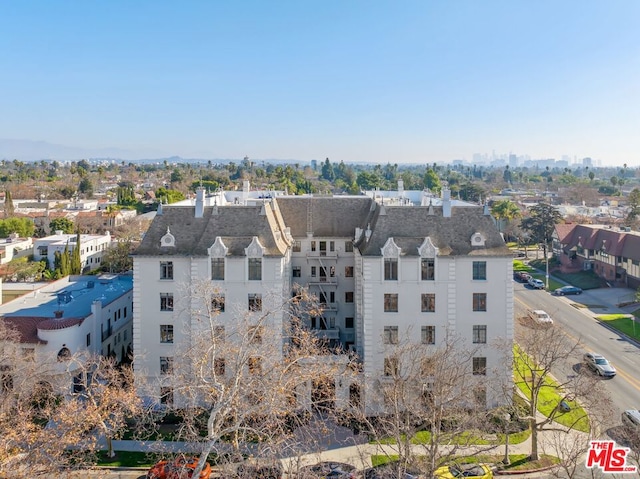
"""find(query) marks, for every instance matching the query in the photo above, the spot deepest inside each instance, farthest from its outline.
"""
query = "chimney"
(58, 232)
(199, 202)
(446, 202)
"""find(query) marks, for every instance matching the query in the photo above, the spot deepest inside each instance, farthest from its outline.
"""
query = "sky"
(356, 81)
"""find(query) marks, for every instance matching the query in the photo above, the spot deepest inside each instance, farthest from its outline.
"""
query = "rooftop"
(73, 295)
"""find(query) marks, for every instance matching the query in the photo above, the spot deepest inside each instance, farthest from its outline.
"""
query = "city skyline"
(415, 82)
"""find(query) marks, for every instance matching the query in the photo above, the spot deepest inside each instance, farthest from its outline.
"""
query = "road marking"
(631, 379)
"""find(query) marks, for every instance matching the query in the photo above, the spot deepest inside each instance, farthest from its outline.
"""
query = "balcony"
(331, 333)
(331, 307)
(322, 280)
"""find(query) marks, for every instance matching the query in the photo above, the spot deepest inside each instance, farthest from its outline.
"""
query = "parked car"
(328, 470)
(566, 290)
(599, 365)
(540, 317)
(470, 471)
(259, 471)
(182, 467)
(536, 283)
(631, 420)
(390, 471)
(521, 276)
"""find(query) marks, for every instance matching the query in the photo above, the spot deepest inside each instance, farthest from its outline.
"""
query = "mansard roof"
(410, 225)
(236, 225)
(331, 216)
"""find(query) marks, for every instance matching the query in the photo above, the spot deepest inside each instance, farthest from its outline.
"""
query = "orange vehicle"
(181, 468)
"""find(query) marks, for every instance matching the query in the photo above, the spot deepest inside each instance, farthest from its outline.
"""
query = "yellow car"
(469, 471)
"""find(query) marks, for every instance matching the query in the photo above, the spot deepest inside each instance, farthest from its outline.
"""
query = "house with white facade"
(419, 271)
(74, 315)
(92, 248)
(14, 247)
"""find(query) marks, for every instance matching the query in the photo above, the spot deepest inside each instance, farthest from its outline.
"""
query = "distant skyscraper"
(587, 162)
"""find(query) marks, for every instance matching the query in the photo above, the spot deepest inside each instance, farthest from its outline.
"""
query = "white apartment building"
(14, 247)
(92, 248)
(417, 270)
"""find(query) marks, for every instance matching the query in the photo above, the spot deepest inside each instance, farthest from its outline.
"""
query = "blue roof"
(75, 299)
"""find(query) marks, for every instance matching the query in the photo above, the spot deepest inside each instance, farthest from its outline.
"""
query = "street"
(593, 336)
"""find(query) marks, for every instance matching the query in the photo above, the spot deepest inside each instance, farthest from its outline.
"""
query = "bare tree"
(541, 350)
(428, 389)
(244, 385)
(51, 405)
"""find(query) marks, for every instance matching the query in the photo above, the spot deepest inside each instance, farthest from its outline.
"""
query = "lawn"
(624, 323)
(549, 397)
(518, 462)
(127, 459)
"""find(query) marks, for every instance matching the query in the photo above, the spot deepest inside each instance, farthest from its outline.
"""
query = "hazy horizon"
(410, 82)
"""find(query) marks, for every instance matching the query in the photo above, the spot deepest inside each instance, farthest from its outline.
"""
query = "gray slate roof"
(409, 226)
(332, 216)
(236, 225)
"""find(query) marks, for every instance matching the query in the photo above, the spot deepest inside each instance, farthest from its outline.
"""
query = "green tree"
(117, 259)
(8, 205)
(541, 224)
(24, 227)
(432, 181)
(86, 187)
(634, 205)
(171, 196)
(504, 210)
(327, 171)
(62, 224)
(61, 262)
(75, 263)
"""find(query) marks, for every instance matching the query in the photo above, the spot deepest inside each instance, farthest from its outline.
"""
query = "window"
(348, 247)
(323, 248)
(313, 246)
(217, 303)
(348, 323)
(348, 297)
(354, 396)
(217, 269)
(332, 246)
(297, 247)
(479, 301)
(166, 365)
(255, 335)
(391, 303)
(428, 269)
(480, 333)
(428, 335)
(166, 333)
(218, 366)
(313, 271)
(480, 396)
(6, 379)
(391, 366)
(428, 302)
(428, 367)
(166, 395)
(297, 272)
(166, 301)
(390, 269)
(218, 334)
(348, 271)
(390, 335)
(255, 269)
(166, 269)
(88, 339)
(479, 270)
(255, 302)
(480, 366)
(255, 365)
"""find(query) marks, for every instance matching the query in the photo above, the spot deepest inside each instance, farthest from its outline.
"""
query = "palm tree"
(504, 210)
